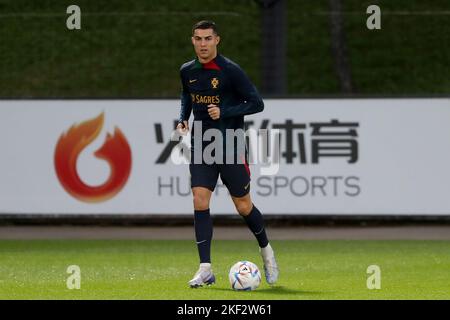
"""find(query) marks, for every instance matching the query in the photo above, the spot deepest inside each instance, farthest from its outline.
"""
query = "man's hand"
(214, 111)
(183, 127)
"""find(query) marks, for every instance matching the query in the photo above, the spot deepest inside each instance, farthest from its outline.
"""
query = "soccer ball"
(244, 275)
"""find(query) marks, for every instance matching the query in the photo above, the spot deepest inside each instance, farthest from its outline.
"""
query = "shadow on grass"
(275, 290)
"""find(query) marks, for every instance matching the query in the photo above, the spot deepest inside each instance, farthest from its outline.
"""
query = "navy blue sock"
(203, 234)
(255, 222)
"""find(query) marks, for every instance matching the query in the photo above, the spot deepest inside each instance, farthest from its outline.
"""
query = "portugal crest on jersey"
(214, 83)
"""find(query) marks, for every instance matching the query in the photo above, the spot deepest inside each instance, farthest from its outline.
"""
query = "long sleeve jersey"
(221, 82)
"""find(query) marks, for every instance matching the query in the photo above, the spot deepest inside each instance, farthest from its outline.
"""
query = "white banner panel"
(338, 156)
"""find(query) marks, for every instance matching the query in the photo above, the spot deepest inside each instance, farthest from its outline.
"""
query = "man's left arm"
(252, 101)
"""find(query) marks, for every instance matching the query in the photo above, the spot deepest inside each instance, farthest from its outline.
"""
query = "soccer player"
(219, 94)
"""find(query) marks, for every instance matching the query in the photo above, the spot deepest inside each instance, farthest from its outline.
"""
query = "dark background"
(134, 49)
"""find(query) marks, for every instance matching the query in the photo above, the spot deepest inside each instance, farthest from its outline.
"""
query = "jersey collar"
(214, 64)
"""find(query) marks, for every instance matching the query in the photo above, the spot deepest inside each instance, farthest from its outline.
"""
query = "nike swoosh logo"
(246, 187)
(192, 81)
(198, 242)
(256, 233)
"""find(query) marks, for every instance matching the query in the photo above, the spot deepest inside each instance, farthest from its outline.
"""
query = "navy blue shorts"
(236, 177)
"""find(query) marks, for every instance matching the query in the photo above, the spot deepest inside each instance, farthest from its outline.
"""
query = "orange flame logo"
(116, 151)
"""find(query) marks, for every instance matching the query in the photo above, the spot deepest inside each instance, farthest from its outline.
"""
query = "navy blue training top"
(221, 82)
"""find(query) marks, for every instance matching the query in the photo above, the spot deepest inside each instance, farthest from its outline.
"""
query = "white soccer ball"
(244, 275)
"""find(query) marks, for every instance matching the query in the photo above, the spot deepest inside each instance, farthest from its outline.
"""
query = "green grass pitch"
(160, 269)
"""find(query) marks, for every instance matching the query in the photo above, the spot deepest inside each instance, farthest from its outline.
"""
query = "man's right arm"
(186, 102)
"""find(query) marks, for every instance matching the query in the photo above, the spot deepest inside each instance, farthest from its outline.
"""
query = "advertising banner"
(335, 156)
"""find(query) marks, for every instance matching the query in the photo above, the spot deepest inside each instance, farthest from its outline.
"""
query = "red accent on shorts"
(246, 166)
(211, 65)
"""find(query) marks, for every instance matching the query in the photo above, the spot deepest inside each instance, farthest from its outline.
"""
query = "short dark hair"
(205, 24)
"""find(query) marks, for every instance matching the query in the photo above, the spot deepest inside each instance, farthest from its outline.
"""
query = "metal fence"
(288, 47)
